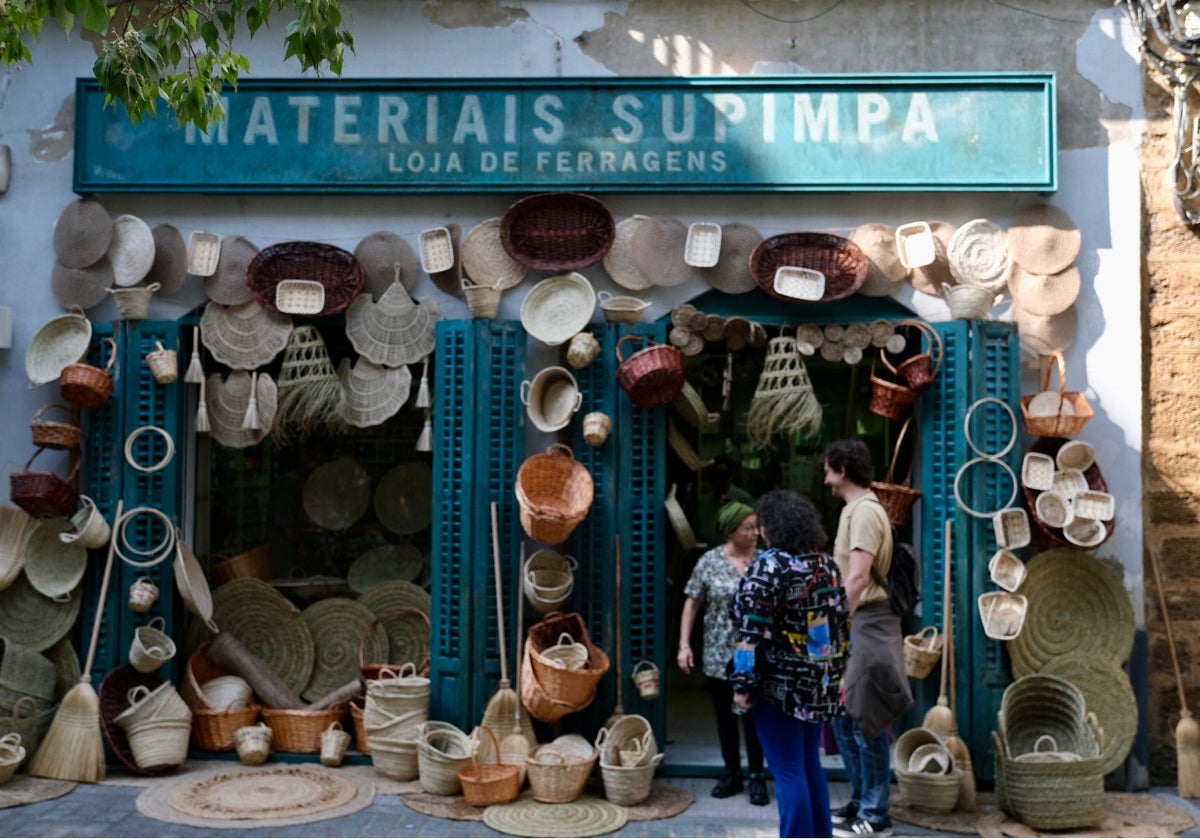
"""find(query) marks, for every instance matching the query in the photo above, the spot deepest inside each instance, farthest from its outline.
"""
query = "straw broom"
(619, 709)
(499, 714)
(957, 746)
(940, 718)
(1187, 731)
(515, 746)
(73, 749)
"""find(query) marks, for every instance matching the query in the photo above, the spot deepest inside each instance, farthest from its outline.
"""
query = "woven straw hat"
(884, 270)
(82, 287)
(931, 278)
(1043, 239)
(83, 233)
(228, 400)
(657, 249)
(381, 253)
(131, 251)
(392, 331)
(619, 262)
(979, 255)
(731, 274)
(1045, 335)
(227, 285)
(1044, 294)
(169, 269)
(244, 337)
(373, 393)
(486, 262)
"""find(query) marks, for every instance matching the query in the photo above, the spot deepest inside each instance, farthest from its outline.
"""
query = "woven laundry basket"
(555, 493)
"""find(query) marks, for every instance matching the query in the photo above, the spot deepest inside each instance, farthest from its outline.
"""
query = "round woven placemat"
(403, 498)
(408, 634)
(25, 790)
(29, 618)
(337, 626)
(384, 563)
(256, 797)
(336, 494)
(1077, 604)
(587, 816)
(1107, 691)
(269, 625)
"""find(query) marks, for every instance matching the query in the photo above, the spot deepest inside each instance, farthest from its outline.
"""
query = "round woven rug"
(256, 797)
(587, 816)
(1125, 815)
(665, 800)
(25, 790)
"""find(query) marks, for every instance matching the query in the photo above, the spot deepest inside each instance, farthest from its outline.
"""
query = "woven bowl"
(841, 263)
(558, 308)
(273, 274)
(557, 231)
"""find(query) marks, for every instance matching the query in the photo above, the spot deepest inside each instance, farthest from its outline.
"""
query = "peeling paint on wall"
(58, 140)
(467, 13)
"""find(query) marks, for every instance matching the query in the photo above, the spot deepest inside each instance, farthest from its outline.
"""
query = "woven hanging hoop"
(338, 626)
(269, 625)
(29, 618)
(1077, 604)
(965, 468)
(134, 444)
(784, 401)
(1012, 418)
(122, 542)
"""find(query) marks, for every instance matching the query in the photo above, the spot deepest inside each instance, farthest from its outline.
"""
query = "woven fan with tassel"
(310, 394)
(784, 401)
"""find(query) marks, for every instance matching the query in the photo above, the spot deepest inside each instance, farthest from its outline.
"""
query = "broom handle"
(520, 637)
(617, 553)
(947, 628)
(1162, 602)
(108, 564)
(499, 595)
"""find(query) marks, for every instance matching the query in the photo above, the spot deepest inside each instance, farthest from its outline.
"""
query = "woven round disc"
(1077, 604)
(1108, 693)
(83, 233)
(386, 257)
(1044, 239)
(383, 563)
(1045, 335)
(486, 262)
(408, 634)
(269, 625)
(403, 498)
(264, 792)
(337, 626)
(82, 287)
(979, 255)
(53, 567)
(29, 618)
(657, 249)
(227, 285)
(586, 816)
(619, 263)
(169, 268)
(336, 494)
(731, 274)
(885, 272)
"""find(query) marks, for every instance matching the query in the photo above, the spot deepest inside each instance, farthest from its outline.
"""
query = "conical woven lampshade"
(310, 395)
(784, 401)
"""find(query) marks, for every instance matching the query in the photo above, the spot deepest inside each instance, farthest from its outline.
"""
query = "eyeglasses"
(748, 529)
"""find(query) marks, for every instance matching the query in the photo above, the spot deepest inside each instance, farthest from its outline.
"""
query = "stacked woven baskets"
(216, 718)
(396, 707)
(443, 750)
(158, 724)
(629, 757)
(557, 678)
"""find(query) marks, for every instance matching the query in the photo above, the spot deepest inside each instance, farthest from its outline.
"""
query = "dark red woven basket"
(1047, 535)
(841, 261)
(559, 231)
(113, 692)
(652, 376)
(44, 493)
(337, 270)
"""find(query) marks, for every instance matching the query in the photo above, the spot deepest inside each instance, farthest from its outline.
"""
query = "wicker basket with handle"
(490, 784)
(44, 493)
(1073, 408)
(555, 777)
(300, 731)
(555, 493)
(87, 386)
(652, 376)
(920, 369)
(55, 434)
(897, 499)
(889, 399)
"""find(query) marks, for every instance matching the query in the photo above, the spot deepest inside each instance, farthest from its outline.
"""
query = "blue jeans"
(793, 751)
(867, 766)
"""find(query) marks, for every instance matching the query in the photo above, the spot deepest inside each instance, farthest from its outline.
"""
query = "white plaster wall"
(1098, 187)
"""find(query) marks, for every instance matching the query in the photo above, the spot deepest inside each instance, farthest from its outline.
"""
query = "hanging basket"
(163, 364)
(968, 303)
(645, 677)
(44, 493)
(55, 434)
(1050, 415)
(557, 231)
(921, 369)
(87, 386)
(922, 651)
(652, 376)
(555, 493)
(338, 272)
(897, 499)
(889, 399)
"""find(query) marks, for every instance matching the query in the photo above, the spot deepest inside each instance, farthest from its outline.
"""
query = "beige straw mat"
(586, 816)
(619, 262)
(169, 268)
(338, 627)
(1045, 335)
(29, 618)
(1044, 294)
(1044, 239)
(885, 272)
(404, 498)
(336, 494)
(82, 287)
(227, 285)
(82, 234)
(392, 331)
(15, 525)
(486, 262)
(227, 403)
(372, 393)
(731, 274)
(245, 336)
(979, 255)
(657, 248)
(131, 251)
(386, 257)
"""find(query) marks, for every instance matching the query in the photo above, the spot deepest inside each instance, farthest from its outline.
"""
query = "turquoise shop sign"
(809, 133)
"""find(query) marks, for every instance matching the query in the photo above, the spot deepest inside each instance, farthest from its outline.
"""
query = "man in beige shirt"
(877, 690)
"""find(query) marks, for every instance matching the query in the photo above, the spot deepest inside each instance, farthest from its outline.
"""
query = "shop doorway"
(792, 462)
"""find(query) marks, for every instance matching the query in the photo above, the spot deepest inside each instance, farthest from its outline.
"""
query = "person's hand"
(741, 700)
(684, 659)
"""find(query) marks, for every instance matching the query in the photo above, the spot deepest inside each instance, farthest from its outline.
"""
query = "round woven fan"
(338, 626)
(1107, 692)
(269, 625)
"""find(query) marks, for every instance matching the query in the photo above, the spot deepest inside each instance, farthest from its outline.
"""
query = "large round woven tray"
(1076, 604)
(269, 625)
(557, 231)
(338, 271)
(841, 261)
(384, 563)
(403, 498)
(1094, 478)
(338, 626)
(1107, 691)
(113, 692)
(60, 342)
(336, 494)
(408, 634)
(558, 307)
(31, 619)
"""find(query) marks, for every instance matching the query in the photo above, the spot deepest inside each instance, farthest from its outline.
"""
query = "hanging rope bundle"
(310, 394)
(784, 401)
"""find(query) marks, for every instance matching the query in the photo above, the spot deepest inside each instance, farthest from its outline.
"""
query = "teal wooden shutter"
(478, 435)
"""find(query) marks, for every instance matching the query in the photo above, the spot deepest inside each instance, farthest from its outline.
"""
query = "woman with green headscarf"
(714, 582)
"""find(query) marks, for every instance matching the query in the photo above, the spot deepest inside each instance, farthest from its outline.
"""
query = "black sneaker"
(757, 790)
(844, 815)
(728, 786)
(865, 828)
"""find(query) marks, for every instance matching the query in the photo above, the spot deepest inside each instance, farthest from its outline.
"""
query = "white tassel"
(251, 421)
(195, 371)
(423, 388)
(202, 425)
(425, 441)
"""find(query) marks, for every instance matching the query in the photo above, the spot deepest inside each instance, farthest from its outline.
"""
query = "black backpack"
(903, 583)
